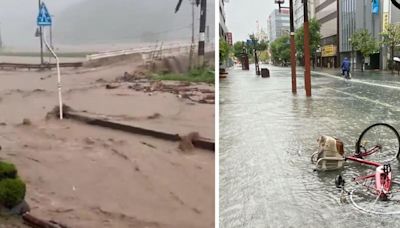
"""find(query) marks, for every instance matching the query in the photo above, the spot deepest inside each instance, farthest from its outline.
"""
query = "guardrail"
(38, 66)
(149, 50)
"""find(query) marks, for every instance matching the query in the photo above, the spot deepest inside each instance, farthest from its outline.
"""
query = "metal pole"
(192, 44)
(292, 49)
(203, 17)
(307, 73)
(51, 40)
(41, 39)
(58, 78)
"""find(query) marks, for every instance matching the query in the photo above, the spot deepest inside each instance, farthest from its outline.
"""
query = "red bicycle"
(380, 144)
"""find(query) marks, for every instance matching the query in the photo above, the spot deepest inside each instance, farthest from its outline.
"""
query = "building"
(390, 14)
(355, 15)
(261, 35)
(326, 12)
(298, 12)
(278, 24)
(223, 30)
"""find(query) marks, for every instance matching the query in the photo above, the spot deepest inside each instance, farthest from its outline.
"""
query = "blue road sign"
(375, 6)
(44, 18)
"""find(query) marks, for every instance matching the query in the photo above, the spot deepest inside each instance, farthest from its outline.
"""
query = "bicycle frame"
(383, 178)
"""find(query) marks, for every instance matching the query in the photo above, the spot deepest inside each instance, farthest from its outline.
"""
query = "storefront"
(328, 54)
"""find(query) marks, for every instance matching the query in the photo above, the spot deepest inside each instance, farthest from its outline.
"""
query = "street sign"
(44, 18)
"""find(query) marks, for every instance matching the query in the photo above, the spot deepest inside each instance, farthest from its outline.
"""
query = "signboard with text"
(229, 38)
(328, 50)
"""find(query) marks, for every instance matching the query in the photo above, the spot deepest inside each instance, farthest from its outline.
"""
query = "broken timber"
(38, 223)
(202, 143)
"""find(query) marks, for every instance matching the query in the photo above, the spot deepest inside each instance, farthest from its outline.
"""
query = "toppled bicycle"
(376, 192)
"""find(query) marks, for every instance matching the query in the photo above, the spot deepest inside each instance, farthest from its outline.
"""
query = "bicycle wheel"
(380, 142)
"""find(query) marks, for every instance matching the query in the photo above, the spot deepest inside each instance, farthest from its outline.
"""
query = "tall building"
(390, 15)
(278, 24)
(355, 15)
(326, 12)
(298, 12)
(223, 30)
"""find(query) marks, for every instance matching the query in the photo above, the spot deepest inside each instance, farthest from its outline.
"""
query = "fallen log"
(38, 223)
(200, 142)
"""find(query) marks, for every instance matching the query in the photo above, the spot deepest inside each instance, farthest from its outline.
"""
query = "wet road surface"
(267, 136)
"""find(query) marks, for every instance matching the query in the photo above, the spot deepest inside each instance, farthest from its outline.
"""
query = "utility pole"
(203, 17)
(292, 49)
(307, 73)
(292, 43)
(192, 44)
(41, 38)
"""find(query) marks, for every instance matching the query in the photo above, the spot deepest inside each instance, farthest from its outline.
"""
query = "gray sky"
(18, 19)
(84, 22)
(241, 16)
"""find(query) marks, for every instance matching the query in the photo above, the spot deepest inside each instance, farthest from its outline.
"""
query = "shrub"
(12, 192)
(7, 170)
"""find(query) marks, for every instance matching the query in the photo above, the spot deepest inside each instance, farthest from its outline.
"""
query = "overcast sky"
(241, 16)
(82, 22)
(18, 18)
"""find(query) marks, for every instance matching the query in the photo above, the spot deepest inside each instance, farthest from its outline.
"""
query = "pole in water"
(60, 102)
(307, 72)
(292, 49)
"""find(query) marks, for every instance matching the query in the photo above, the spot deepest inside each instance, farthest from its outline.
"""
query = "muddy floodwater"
(267, 136)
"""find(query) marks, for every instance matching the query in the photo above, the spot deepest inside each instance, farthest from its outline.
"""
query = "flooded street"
(267, 136)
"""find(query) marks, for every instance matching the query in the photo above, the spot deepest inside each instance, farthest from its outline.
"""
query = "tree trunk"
(362, 64)
(392, 56)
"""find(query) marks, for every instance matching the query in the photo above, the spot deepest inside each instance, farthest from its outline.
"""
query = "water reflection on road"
(267, 136)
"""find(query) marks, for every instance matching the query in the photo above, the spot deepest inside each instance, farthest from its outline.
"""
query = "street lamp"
(292, 44)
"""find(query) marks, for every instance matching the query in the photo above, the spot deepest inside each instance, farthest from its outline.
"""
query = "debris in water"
(186, 143)
(26, 122)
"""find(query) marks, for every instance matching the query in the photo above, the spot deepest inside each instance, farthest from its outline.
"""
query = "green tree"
(238, 49)
(264, 56)
(391, 38)
(280, 50)
(363, 42)
(258, 45)
(315, 38)
(224, 50)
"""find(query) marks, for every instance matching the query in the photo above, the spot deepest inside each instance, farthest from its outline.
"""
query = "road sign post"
(44, 20)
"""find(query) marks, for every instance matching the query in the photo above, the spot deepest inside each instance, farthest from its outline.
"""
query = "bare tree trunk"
(392, 56)
(362, 64)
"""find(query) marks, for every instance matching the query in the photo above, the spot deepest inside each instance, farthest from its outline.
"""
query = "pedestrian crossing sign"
(44, 18)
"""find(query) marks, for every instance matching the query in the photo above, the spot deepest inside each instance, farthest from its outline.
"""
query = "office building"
(298, 12)
(278, 24)
(223, 30)
(327, 15)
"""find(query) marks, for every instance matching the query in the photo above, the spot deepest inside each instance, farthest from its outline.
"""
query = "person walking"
(346, 68)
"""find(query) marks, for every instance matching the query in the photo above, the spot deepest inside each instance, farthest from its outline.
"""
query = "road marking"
(392, 107)
(357, 81)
